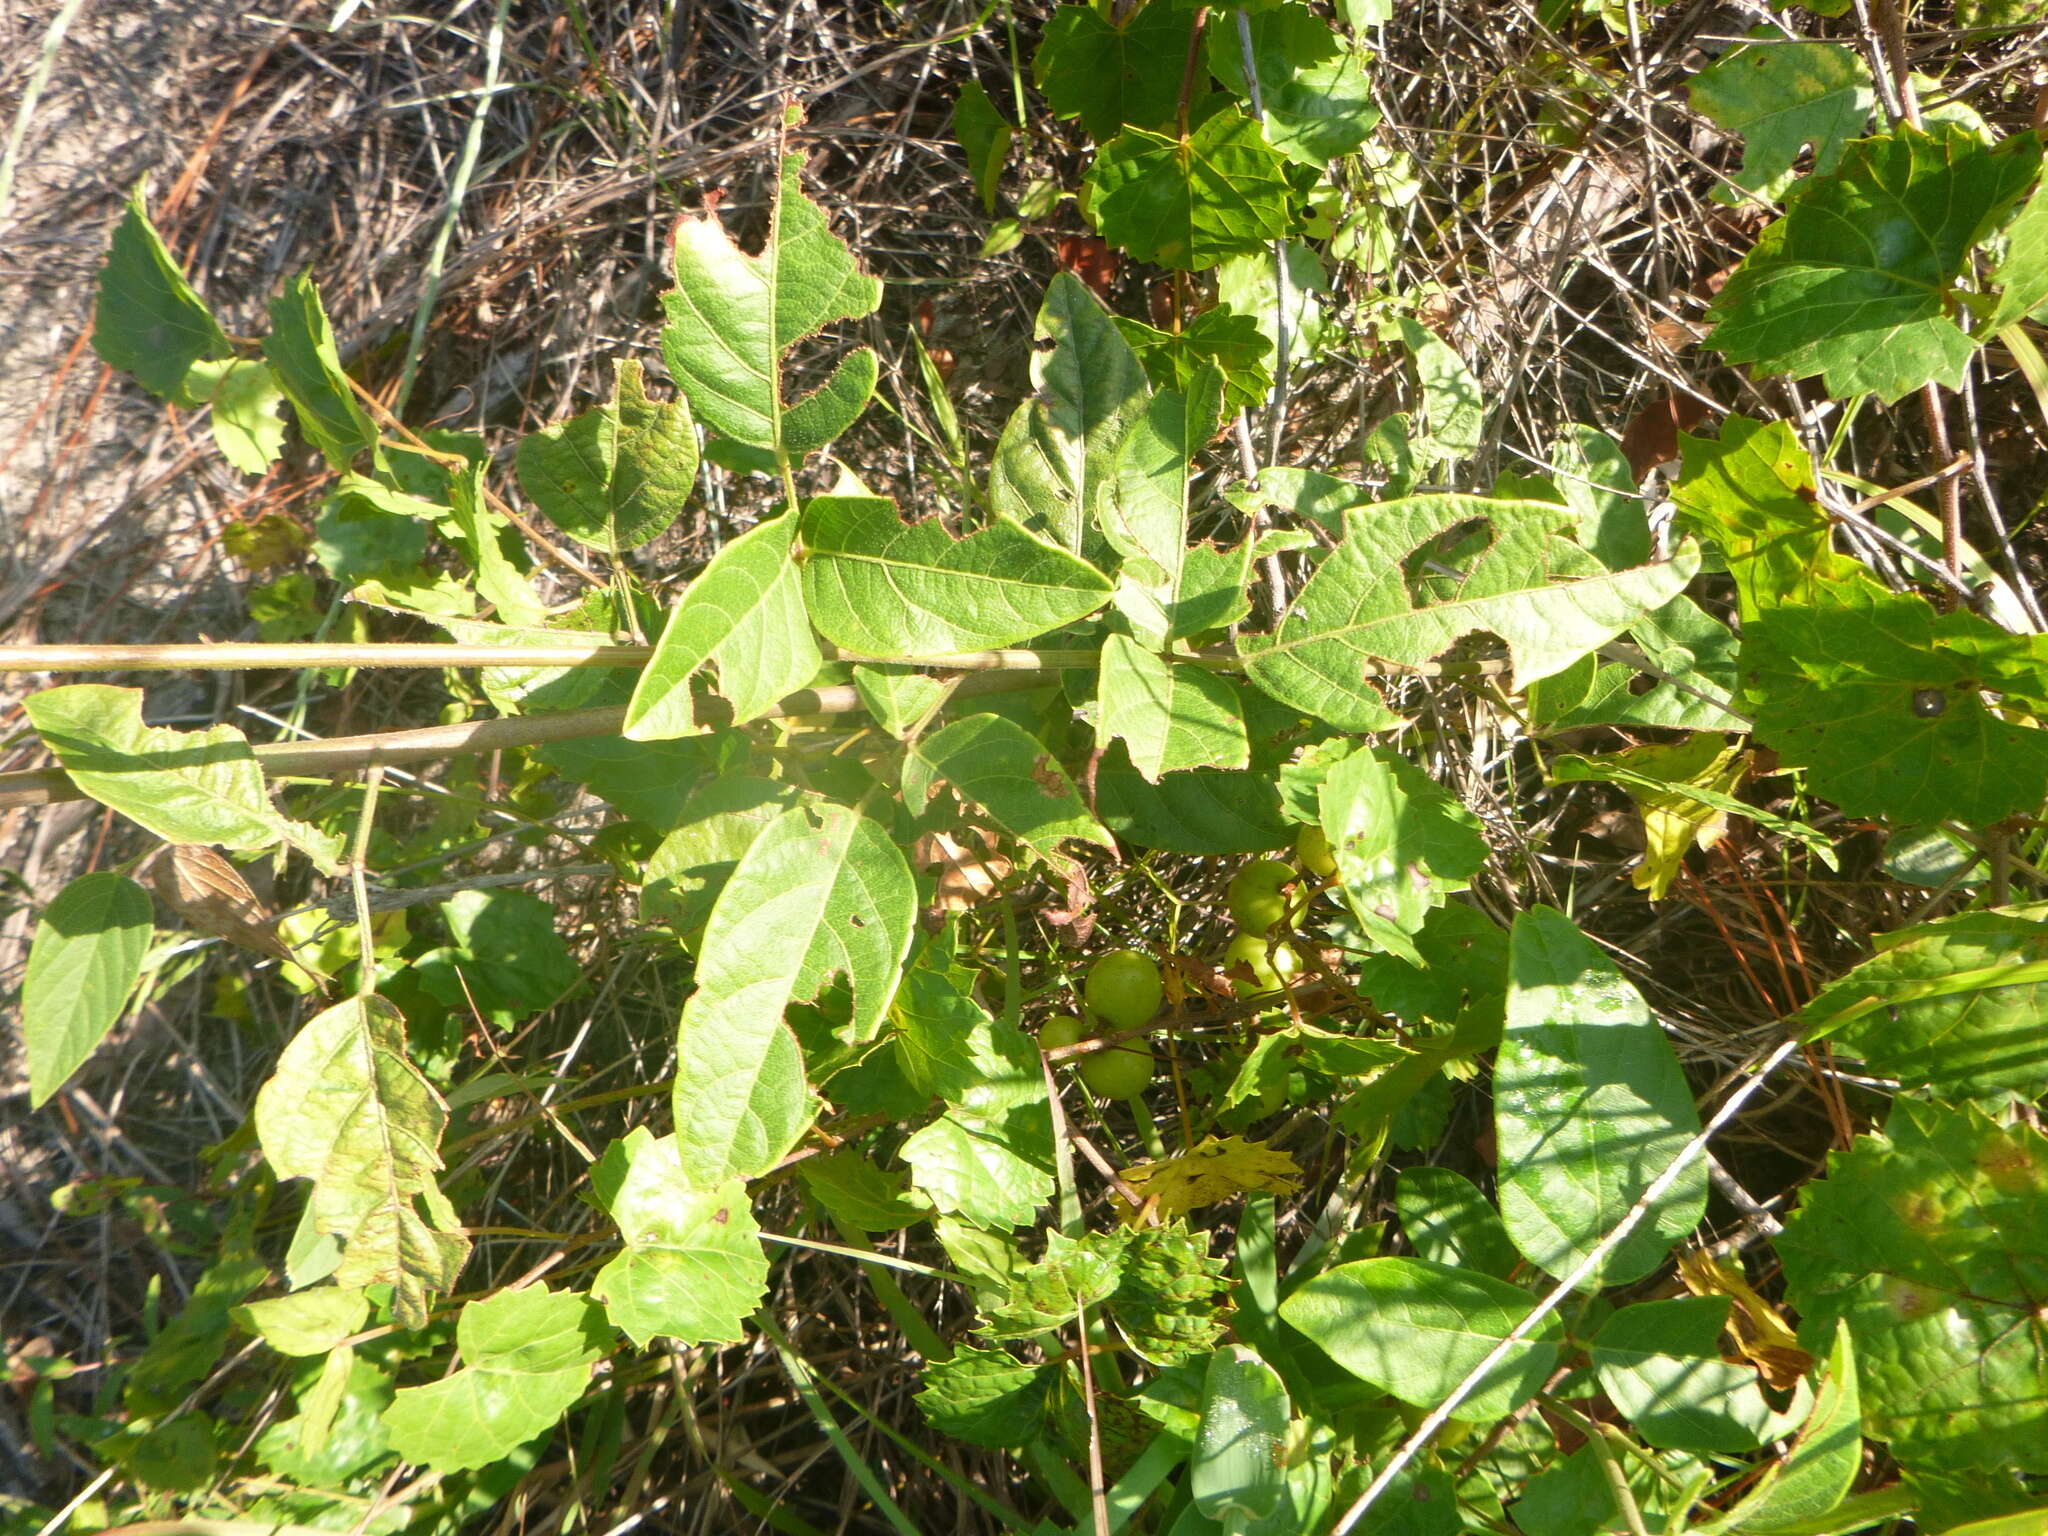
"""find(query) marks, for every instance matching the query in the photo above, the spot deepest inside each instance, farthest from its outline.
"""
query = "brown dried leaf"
(967, 876)
(209, 893)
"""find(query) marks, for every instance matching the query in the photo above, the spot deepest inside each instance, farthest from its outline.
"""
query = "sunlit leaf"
(1190, 202)
(995, 764)
(149, 322)
(1170, 715)
(1781, 98)
(82, 964)
(617, 475)
(692, 1269)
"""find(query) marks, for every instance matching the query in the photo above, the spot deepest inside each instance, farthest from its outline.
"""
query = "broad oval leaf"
(1590, 1107)
(82, 964)
(744, 611)
(821, 891)
(731, 318)
(692, 1269)
(1417, 1329)
(878, 586)
(347, 1109)
(1822, 1463)
(617, 475)
(1236, 1473)
(1660, 1362)
(526, 1356)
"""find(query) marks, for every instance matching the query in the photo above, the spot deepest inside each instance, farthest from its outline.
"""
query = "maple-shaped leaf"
(732, 317)
(1366, 609)
(1856, 282)
(1189, 202)
(1781, 97)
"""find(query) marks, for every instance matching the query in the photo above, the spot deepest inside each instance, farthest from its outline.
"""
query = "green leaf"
(526, 1356)
(244, 395)
(1451, 396)
(900, 698)
(1448, 1221)
(951, 1048)
(1165, 589)
(1751, 491)
(1229, 343)
(744, 611)
(1590, 1106)
(1856, 281)
(1173, 1299)
(1881, 699)
(1053, 468)
(1782, 97)
(878, 586)
(347, 1109)
(1236, 1473)
(617, 475)
(1464, 977)
(1696, 678)
(507, 959)
(301, 349)
(82, 965)
(1108, 73)
(149, 323)
(995, 763)
(1927, 1243)
(1982, 1040)
(985, 134)
(2022, 277)
(1170, 715)
(682, 879)
(692, 1269)
(857, 1194)
(1823, 1461)
(987, 1397)
(1313, 86)
(732, 316)
(1200, 810)
(190, 1344)
(1596, 481)
(308, 1323)
(1417, 1329)
(990, 1169)
(1549, 600)
(1660, 1362)
(1188, 203)
(185, 786)
(820, 892)
(1402, 844)
(1043, 1297)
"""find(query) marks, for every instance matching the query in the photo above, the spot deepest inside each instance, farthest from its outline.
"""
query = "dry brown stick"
(251, 657)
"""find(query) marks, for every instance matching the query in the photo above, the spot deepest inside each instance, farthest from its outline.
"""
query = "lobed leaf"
(1189, 202)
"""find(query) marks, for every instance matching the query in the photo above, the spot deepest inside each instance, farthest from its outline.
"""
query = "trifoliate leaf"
(347, 1109)
(526, 1356)
(732, 318)
(1928, 1243)
(1782, 97)
(692, 1269)
(1188, 203)
(617, 475)
(1856, 281)
(1952, 1006)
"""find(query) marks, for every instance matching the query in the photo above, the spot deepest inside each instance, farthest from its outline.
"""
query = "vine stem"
(253, 657)
(1441, 1414)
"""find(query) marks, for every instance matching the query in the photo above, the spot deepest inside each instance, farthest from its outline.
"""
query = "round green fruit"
(1313, 848)
(1120, 1072)
(1272, 966)
(1124, 989)
(1256, 894)
(1061, 1029)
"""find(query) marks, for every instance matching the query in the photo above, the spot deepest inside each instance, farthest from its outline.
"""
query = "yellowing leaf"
(1211, 1172)
(1760, 1331)
(1661, 779)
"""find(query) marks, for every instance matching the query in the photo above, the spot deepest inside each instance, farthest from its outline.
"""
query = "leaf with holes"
(1780, 98)
(732, 318)
(995, 764)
